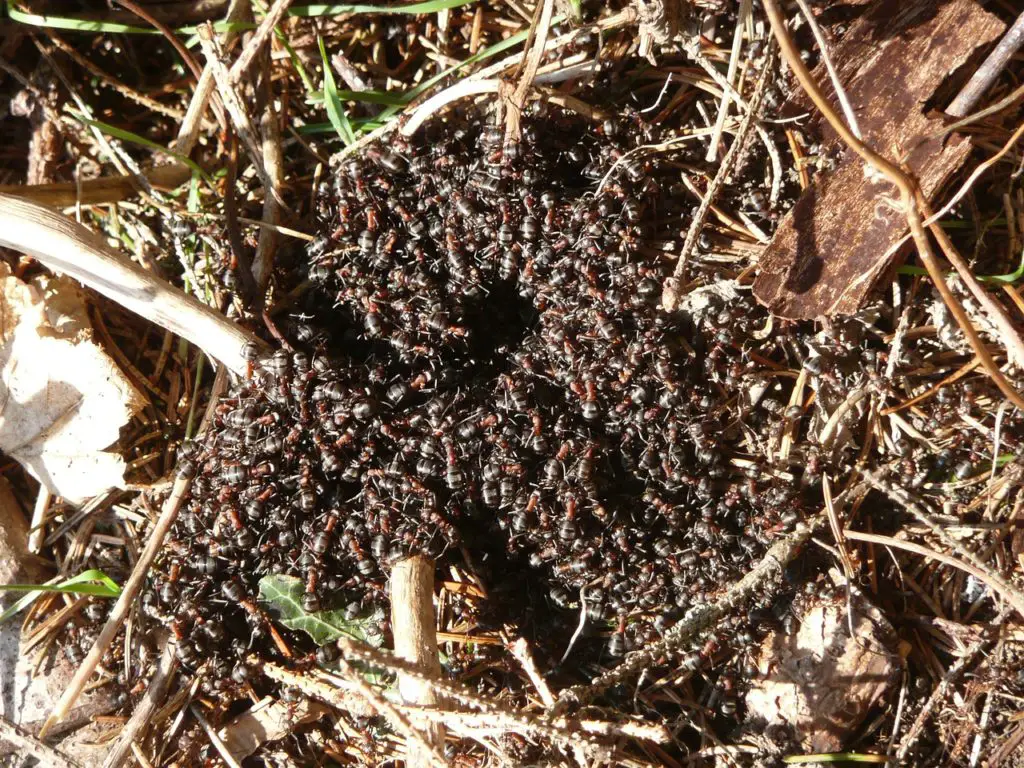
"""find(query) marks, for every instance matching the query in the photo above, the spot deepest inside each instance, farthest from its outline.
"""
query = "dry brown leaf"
(820, 681)
(268, 720)
(63, 401)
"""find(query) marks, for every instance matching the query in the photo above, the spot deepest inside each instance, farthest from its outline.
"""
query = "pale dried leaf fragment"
(63, 401)
(821, 682)
(268, 720)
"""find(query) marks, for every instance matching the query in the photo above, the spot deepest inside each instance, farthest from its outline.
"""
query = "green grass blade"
(335, 109)
(1009, 278)
(82, 584)
(386, 98)
(74, 25)
(835, 757)
(142, 141)
(333, 9)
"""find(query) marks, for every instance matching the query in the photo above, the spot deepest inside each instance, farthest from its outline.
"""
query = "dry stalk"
(415, 633)
(517, 100)
(996, 585)
(122, 607)
(156, 689)
(258, 40)
(214, 737)
(30, 746)
(746, 7)
(989, 70)
(910, 194)
(952, 675)
(904, 499)
(105, 189)
(699, 618)
(273, 157)
(233, 106)
(188, 133)
(559, 728)
(68, 247)
(417, 744)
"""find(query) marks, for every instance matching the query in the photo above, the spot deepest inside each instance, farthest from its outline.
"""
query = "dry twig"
(67, 247)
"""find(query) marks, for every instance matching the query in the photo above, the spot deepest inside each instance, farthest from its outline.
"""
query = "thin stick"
(517, 100)
(188, 132)
(37, 529)
(214, 737)
(156, 689)
(700, 617)
(888, 541)
(520, 650)
(429, 754)
(734, 60)
(105, 189)
(123, 605)
(413, 626)
(909, 193)
(68, 247)
(989, 70)
(844, 102)
(258, 40)
(31, 746)
(951, 676)
(670, 293)
(233, 105)
(270, 135)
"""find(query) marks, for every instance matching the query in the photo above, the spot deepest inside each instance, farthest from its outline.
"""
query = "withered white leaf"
(63, 400)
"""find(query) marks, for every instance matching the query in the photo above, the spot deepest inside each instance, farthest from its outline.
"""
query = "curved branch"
(68, 247)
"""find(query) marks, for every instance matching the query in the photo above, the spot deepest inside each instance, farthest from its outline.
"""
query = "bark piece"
(843, 233)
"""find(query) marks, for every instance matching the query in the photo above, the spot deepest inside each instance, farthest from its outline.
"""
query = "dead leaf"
(63, 401)
(268, 720)
(820, 681)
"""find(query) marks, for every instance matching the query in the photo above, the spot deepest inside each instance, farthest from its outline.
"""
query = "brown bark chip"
(843, 233)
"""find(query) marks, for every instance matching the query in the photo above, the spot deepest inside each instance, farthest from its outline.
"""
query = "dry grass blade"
(122, 607)
(69, 248)
(29, 746)
(1012, 596)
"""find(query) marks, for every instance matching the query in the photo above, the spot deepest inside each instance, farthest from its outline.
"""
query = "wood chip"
(843, 233)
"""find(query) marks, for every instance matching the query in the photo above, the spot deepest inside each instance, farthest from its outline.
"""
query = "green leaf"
(84, 583)
(281, 596)
(335, 109)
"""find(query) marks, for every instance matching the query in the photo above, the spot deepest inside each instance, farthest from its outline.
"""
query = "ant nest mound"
(483, 373)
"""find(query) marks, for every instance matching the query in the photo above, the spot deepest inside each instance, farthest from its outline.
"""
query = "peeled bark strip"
(843, 233)
(412, 622)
